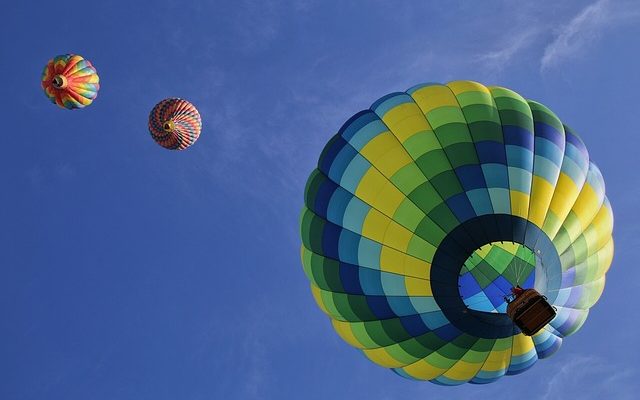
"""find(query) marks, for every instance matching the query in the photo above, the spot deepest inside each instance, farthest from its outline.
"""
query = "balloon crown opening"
(168, 126)
(59, 82)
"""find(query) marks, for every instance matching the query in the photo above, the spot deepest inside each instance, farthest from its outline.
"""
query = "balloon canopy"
(175, 124)
(428, 207)
(70, 81)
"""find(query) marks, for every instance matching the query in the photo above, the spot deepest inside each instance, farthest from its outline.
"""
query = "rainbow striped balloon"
(175, 124)
(70, 81)
(427, 208)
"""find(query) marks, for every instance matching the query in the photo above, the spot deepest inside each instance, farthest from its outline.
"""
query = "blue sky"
(132, 272)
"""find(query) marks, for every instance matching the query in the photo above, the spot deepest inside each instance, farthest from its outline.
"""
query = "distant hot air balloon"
(175, 124)
(70, 81)
(428, 208)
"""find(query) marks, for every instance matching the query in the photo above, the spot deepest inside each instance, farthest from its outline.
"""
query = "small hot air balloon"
(175, 124)
(70, 81)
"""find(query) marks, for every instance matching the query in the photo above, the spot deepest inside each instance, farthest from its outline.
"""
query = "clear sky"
(132, 272)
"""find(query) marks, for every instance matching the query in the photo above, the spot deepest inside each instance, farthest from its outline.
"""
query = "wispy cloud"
(587, 26)
(604, 379)
(497, 60)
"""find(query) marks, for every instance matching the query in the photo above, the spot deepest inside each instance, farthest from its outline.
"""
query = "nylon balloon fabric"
(175, 124)
(428, 207)
(70, 81)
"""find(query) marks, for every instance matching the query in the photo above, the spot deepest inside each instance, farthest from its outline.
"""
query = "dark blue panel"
(447, 332)
(350, 279)
(514, 135)
(471, 177)
(550, 133)
(490, 152)
(330, 240)
(330, 152)
(461, 207)
(414, 325)
(380, 307)
(323, 196)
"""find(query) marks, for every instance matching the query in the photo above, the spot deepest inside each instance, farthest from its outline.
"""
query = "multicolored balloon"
(428, 207)
(175, 124)
(70, 81)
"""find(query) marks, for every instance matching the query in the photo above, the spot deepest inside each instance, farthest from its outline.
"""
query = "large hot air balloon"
(70, 81)
(427, 208)
(175, 124)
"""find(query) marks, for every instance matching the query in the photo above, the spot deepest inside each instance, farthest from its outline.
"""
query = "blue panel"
(496, 176)
(402, 306)
(519, 157)
(354, 173)
(354, 215)
(386, 103)
(338, 204)
(368, 132)
(369, 253)
(370, 281)
(355, 123)
(348, 246)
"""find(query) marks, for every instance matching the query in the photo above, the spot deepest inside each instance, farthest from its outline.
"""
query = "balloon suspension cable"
(59, 82)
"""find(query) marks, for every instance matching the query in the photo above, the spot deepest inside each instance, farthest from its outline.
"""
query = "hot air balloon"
(427, 208)
(175, 124)
(70, 81)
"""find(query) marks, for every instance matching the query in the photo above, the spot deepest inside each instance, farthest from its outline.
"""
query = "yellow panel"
(381, 357)
(566, 193)
(521, 345)
(345, 332)
(463, 370)
(405, 120)
(375, 225)
(587, 205)
(417, 287)
(393, 160)
(392, 261)
(423, 370)
(397, 236)
(379, 145)
(519, 203)
(432, 97)
(388, 199)
(497, 360)
(370, 185)
(605, 256)
(541, 195)
(458, 87)
(603, 225)
(416, 267)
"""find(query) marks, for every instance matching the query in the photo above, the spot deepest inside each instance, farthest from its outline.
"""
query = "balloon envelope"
(428, 207)
(175, 124)
(70, 81)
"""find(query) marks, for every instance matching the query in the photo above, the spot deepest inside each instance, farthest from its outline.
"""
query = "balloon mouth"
(168, 126)
(59, 82)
